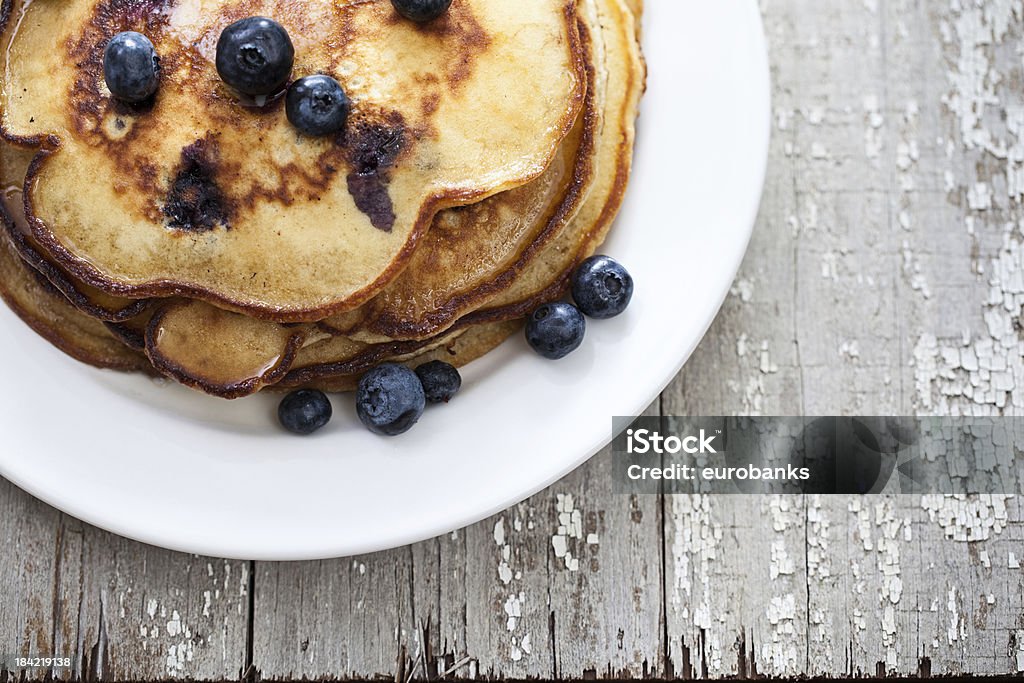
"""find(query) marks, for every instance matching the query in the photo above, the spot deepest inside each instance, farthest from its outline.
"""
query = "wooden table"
(886, 276)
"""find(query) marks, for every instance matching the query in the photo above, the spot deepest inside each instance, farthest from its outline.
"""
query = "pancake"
(636, 8)
(621, 80)
(14, 163)
(468, 256)
(541, 273)
(546, 201)
(35, 300)
(230, 355)
(471, 254)
(44, 309)
(48, 313)
(547, 264)
(459, 350)
(205, 198)
(132, 332)
(337, 356)
(478, 268)
(547, 277)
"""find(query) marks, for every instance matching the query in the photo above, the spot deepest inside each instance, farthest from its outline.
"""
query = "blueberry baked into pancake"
(253, 194)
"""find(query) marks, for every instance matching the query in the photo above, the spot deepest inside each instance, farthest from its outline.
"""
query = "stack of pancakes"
(199, 236)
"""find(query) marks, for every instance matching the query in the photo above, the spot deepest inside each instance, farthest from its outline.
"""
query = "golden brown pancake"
(471, 254)
(132, 332)
(49, 314)
(547, 277)
(14, 163)
(534, 250)
(459, 236)
(621, 80)
(230, 354)
(547, 264)
(40, 304)
(337, 355)
(457, 350)
(542, 271)
(198, 195)
(636, 8)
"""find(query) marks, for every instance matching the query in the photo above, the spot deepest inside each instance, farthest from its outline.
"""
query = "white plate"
(167, 466)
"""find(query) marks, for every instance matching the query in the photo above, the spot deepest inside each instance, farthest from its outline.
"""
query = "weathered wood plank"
(606, 584)
(416, 609)
(893, 186)
(558, 585)
(508, 615)
(439, 601)
(120, 609)
(147, 613)
(28, 562)
(350, 617)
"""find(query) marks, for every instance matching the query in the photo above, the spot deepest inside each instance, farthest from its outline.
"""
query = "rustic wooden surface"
(886, 275)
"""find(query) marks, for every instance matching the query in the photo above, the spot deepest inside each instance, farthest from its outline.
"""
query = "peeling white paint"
(568, 532)
(967, 518)
(957, 625)
(694, 548)
(820, 573)
(913, 271)
(888, 524)
(766, 365)
(872, 133)
(819, 560)
(780, 646)
(781, 563)
(504, 535)
(505, 574)
(514, 610)
(741, 345)
(743, 289)
(174, 625)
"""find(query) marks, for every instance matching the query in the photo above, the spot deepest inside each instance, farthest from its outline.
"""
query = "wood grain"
(119, 609)
(885, 275)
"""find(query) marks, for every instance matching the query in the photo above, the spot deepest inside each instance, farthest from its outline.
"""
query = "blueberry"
(601, 287)
(317, 105)
(255, 56)
(390, 399)
(131, 67)
(556, 330)
(304, 411)
(441, 381)
(421, 10)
